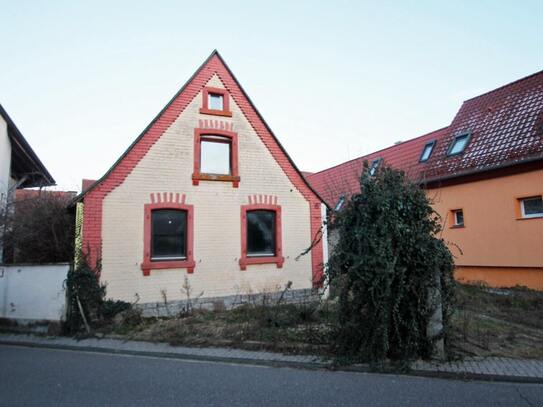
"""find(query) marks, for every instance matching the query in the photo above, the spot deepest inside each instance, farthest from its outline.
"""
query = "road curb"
(464, 376)
(171, 355)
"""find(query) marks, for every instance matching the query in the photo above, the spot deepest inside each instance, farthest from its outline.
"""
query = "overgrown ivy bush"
(85, 295)
(387, 265)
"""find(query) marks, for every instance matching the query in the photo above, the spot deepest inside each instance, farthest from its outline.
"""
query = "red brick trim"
(200, 134)
(278, 259)
(225, 100)
(167, 201)
(93, 199)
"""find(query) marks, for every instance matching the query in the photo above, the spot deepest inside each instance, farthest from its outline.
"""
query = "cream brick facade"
(168, 167)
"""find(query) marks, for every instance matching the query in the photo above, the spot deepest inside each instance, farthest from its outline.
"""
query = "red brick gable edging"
(94, 196)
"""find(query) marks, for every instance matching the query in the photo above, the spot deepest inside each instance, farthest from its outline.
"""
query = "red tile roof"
(506, 128)
(333, 182)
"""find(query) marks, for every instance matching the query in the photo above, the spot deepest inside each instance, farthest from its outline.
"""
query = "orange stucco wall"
(495, 246)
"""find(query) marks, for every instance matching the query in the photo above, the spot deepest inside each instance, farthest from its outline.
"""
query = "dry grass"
(507, 323)
(490, 322)
(300, 328)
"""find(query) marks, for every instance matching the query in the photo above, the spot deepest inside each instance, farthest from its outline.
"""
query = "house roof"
(343, 179)
(505, 127)
(264, 128)
(25, 164)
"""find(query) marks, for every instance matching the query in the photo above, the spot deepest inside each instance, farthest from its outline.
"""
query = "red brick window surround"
(206, 137)
(175, 202)
(274, 257)
(216, 101)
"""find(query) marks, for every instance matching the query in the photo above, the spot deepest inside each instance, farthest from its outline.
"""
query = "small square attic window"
(459, 144)
(215, 101)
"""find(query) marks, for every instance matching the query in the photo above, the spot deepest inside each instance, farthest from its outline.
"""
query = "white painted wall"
(33, 292)
(5, 160)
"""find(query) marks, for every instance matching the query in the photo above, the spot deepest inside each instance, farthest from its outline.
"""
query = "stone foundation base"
(172, 308)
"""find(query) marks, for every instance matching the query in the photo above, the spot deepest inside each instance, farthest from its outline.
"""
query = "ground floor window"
(168, 234)
(261, 235)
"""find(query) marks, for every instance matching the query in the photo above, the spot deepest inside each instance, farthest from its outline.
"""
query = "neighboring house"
(20, 167)
(484, 176)
(205, 194)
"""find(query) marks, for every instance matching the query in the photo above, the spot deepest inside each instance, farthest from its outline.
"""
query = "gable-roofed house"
(208, 194)
(484, 176)
(20, 167)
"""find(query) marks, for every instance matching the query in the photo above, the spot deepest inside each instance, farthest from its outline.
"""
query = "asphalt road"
(44, 377)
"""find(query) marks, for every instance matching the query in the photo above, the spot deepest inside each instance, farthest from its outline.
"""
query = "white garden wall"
(33, 292)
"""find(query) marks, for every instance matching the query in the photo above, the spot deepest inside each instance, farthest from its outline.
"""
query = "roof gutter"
(431, 183)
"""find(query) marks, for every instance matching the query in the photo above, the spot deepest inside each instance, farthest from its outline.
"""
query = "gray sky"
(334, 80)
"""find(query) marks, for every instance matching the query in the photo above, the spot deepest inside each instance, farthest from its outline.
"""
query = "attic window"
(459, 144)
(216, 101)
(215, 156)
(374, 165)
(340, 203)
(427, 151)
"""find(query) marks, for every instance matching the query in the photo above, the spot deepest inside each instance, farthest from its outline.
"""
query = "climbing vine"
(390, 270)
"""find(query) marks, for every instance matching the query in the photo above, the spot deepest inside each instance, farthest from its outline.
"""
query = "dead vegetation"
(505, 322)
(290, 328)
(488, 322)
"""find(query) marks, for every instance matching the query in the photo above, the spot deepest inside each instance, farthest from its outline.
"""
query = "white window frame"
(529, 215)
(455, 217)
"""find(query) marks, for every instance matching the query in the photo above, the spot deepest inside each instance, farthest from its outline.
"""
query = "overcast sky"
(334, 80)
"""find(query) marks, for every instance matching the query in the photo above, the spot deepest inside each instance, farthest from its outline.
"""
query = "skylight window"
(340, 203)
(459, 144)
(374, 166)
(427, 151)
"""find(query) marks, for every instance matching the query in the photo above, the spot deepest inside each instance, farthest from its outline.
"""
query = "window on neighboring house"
(531, 207)
(427, 151)
(215, 101)
(168, 234)
(215, 155)
(340, 203)
(459, 144)
(458, 218)
(261, 233)
(374, 166)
